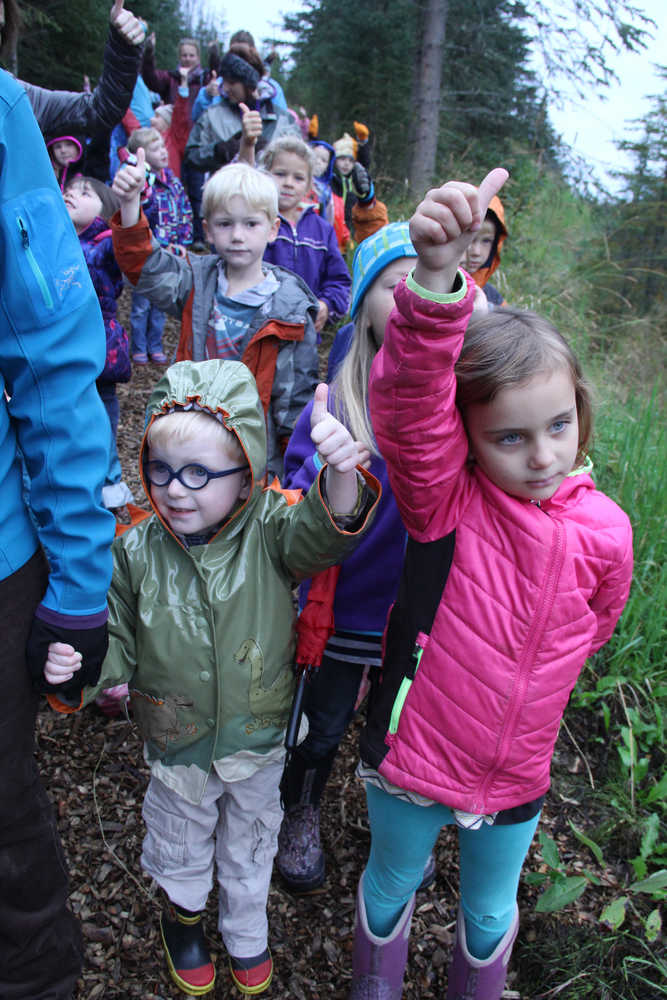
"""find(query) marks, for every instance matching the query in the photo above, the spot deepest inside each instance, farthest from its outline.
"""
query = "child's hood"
(328, 173)
(66, 138)
(224, 388)
(498, 213)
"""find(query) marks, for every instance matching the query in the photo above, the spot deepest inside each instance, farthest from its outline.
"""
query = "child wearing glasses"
(201, 625)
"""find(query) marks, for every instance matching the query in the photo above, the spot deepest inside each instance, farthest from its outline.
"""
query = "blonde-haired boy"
(232, 304)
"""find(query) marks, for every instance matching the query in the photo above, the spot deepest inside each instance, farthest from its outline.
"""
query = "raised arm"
(106, 105)
(412, 393)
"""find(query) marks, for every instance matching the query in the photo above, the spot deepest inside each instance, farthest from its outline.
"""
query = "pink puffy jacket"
(533, 590)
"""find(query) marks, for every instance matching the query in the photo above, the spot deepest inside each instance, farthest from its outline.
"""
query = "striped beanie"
(372, 256)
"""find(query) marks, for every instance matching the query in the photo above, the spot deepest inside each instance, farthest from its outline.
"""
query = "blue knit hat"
(372, 256)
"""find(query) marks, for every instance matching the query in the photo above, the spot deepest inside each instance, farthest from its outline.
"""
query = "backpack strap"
(424, 575)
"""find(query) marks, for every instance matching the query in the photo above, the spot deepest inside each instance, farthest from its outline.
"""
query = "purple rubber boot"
(379, 963)
(476, 979)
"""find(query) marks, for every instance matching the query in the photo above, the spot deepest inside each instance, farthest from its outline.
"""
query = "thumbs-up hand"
(336, 447)
(213, 85)
(251, 124)
(127, 185)
(132, 28)
(444, 225)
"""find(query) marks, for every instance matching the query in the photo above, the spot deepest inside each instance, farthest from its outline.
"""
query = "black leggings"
(40, 942)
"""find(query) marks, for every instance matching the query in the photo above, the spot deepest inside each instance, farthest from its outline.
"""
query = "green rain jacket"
(205, 635)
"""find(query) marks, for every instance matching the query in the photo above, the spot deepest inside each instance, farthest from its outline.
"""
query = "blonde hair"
(506, 347)
(349, 387)
(288, 143)
(189, 41)
(254, 186)
(141, 137)
(193, 425)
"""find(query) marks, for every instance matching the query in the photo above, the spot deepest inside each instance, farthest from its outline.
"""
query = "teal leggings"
(402, 837)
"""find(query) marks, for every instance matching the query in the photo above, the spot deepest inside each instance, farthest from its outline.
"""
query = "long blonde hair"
(349, 387)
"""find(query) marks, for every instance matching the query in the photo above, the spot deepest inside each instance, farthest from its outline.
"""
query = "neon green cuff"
(445, 297)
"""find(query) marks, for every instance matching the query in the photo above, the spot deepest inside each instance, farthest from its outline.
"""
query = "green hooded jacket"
(205, 635)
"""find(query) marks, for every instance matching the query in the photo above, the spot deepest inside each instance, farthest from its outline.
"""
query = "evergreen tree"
(62, 40)
(636, 225)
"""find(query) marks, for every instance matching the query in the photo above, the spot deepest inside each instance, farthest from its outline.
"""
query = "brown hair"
(250, 54)
(110, 203)
(506, 347)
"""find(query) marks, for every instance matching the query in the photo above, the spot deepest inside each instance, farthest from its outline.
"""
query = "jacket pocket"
(44, 259)
(405, 685)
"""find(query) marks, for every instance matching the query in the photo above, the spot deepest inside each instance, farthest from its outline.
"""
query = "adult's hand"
(130, 27)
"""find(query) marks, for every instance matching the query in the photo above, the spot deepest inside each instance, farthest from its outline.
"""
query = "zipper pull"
(25, 239)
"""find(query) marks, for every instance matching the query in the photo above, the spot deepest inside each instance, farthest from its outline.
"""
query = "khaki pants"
(236, 824)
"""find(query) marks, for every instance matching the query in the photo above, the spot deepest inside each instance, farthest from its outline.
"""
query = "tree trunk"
(427, 105)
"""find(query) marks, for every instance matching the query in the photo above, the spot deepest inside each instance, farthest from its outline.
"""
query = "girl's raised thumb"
(141, 156)
(319, 410)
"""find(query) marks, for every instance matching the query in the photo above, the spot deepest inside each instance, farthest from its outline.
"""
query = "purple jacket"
(369, 576)
(312, 252)
(108, 283)
(168, 210)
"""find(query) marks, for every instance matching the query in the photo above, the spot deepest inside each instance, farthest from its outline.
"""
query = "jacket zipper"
(406, 683)
(34, 266)
(546, 599)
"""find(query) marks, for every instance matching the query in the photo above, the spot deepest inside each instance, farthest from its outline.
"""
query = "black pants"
(40, 941)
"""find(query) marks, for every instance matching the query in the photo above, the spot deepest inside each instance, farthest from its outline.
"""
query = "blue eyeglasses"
(193, 477)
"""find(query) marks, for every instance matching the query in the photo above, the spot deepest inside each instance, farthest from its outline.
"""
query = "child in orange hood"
(482, 257)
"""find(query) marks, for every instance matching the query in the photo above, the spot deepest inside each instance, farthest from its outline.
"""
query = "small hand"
(363, 455)
(213, 85)
(322, 315)
(62, 663)
(444, 224)
(251, 124)
(184, 70)
(130, 180)
(130, 27)
(332, 440)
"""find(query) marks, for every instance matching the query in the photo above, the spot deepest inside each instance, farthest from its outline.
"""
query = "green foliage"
(64, 39)
(356, 62)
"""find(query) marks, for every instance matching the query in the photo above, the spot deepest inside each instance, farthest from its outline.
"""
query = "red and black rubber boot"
(188, 958)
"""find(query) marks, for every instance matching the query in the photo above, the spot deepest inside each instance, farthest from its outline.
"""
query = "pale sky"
(589, 125)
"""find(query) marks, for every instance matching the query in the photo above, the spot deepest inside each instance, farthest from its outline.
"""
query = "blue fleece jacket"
(52, 348)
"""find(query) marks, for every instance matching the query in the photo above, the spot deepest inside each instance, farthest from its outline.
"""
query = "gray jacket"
(221, 123)
(62, 110)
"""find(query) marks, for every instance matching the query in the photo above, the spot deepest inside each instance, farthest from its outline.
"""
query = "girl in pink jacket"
(517, 569)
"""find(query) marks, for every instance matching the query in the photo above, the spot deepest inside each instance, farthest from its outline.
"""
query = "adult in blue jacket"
(55, 563)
